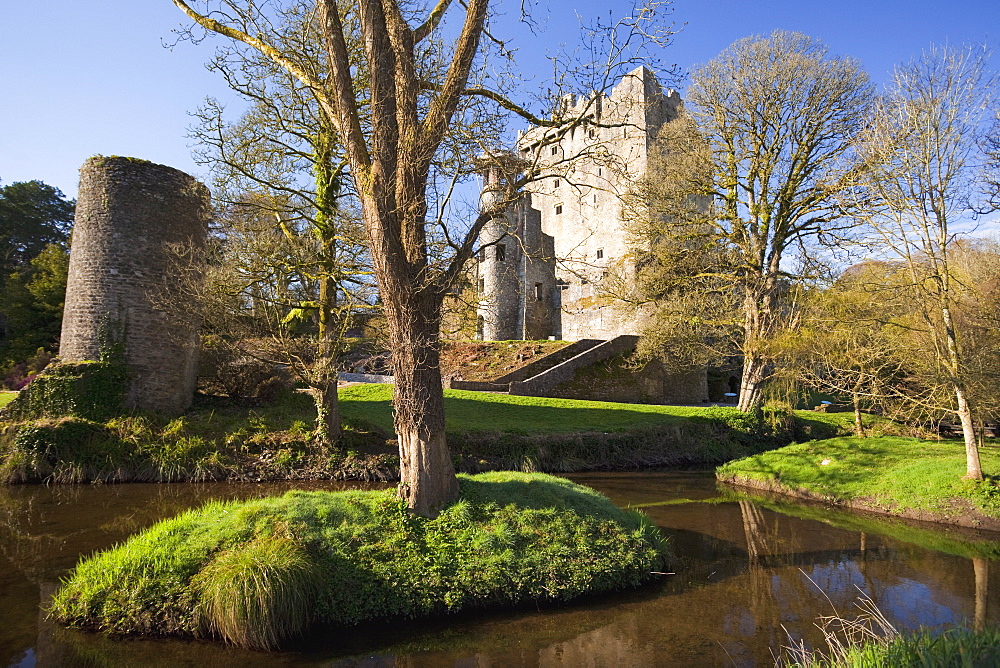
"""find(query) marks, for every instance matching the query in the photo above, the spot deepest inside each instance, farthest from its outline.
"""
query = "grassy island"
(258, 573)
(907, 477)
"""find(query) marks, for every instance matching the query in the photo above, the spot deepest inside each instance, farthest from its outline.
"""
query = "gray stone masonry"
(131, 216)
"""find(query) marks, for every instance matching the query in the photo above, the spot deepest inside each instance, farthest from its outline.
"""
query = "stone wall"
(131, 216)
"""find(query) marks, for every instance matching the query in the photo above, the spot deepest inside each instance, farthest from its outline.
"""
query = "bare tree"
(922, 148)
(416, 83)
(749, 182)
(281, 165)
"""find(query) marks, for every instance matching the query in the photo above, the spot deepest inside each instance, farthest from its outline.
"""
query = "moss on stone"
(88, 390)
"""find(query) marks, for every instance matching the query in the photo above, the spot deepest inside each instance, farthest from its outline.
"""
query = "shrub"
(89, 390)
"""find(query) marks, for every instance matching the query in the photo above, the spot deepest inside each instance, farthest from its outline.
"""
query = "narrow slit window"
(558, 209)
(555, 183)
(539, 292)
(600, 253)
(501, 252)
(482, 285)
(555, 150)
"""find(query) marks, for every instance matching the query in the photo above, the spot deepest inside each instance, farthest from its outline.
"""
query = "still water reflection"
(744, 580)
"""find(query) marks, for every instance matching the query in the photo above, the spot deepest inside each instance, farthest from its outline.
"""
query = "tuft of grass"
(871, 641)
(887, 473)
(260, 593)
(6, 397)
(258, 572)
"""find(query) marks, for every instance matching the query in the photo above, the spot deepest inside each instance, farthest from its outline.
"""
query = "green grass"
(886, 473)
(955, 648)
(6, 398)
(478, 411)
(259, 572)
(221, 440)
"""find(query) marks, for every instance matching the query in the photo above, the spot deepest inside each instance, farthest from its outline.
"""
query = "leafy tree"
(747, 186)
(849, 341)
(32, 216)
(922, 149)
(416, 85)
(35, 219)
(32, 305)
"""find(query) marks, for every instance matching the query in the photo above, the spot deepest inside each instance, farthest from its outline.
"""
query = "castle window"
(604, 275)
(624, 133)
(482, 254)
(555, 150)
(592, 133)
(482, 285)
(539, 294)
(598, 171)
(555, 183)
(558, 209)
(501, 252)
(600, 253)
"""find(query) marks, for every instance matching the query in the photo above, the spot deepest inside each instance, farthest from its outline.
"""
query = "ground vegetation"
(259, 573)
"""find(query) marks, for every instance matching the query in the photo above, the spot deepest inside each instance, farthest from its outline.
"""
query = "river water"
(748, 577)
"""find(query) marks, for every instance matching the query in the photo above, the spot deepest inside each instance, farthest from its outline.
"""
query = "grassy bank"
(221, 440)
(6, 397)
(260, 572)
(955, 647)
(901, 476)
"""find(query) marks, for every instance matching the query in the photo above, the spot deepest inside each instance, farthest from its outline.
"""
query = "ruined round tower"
(131, 217)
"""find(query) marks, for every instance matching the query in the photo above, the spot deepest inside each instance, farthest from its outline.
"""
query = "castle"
(542, 262)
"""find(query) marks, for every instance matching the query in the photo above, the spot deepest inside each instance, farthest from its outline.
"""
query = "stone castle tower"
(543, 262)
(130, 214)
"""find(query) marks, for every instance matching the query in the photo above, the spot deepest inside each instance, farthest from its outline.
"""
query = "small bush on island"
(258, 573)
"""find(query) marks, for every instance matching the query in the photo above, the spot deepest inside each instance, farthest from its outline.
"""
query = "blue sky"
(82, 78)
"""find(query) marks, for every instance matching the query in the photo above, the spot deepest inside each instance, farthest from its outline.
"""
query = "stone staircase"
(539, 377)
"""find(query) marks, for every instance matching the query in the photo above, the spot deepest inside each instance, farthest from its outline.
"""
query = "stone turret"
(131, 216)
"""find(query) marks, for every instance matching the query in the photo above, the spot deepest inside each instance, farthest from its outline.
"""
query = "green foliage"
(89, 390)
(69, 448)
(31, 304)
(235, 569)
(954, 648)
(889, 473)
(958, 648)
(260, 592)
(32, 216)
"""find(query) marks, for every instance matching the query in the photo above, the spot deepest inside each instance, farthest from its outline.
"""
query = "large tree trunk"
(758, 325)
(426, 473)
(755, 369)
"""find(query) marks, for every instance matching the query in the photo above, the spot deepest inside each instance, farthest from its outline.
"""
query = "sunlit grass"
(6, 397)
(259, 572)
(886, 472)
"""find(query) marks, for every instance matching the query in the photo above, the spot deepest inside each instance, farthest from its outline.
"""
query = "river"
(748, 579)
